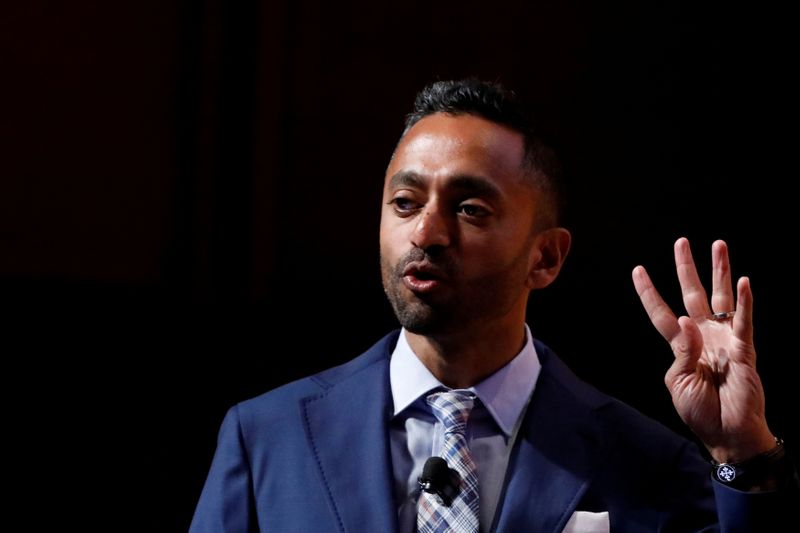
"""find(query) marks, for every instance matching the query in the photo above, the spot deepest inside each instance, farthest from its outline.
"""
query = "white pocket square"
(586, 522)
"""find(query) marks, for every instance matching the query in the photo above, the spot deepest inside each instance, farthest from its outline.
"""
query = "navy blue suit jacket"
(313, 456)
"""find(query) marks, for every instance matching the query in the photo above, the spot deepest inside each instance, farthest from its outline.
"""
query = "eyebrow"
(407, 178)
(464, 183)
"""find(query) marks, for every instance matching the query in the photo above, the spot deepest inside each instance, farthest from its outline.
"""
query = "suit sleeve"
(226, 504)
(746, 512)
(703, 505)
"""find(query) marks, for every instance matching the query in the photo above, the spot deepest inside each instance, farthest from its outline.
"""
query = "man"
(468, 230)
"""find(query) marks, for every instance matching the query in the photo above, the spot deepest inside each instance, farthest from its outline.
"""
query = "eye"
(403, 205)
(473, 211)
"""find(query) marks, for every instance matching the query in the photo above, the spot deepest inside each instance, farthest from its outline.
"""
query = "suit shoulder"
(617, 418)
(272, 402)
(557, 374)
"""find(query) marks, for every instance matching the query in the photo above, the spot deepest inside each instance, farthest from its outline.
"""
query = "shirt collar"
(505, 393)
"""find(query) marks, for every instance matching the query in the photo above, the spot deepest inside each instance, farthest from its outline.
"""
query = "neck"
(461, 359)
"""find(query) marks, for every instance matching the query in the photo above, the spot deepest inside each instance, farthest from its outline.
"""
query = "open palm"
(713, 380)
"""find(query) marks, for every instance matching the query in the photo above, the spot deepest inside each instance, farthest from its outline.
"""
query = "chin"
(423, 320)
(415, 317)
(420, 327)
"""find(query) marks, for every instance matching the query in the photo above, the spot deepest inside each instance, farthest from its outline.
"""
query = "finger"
(721, 289)
(659, 312)
(694, 295)
(743, 319)
(687, 346)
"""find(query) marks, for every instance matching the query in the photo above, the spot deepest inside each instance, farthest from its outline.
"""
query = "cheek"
(388, 240)
(491, 255)
(483, 263)
(394, 231)
(477, 262)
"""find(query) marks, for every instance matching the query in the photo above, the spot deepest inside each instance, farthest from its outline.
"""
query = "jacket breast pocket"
(586, 522)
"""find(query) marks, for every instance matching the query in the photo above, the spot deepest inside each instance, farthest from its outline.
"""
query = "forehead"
(441, 145)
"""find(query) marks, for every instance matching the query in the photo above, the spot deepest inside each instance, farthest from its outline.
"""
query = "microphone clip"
(439, 479)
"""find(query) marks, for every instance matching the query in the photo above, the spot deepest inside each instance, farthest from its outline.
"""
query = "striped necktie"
(452, 409)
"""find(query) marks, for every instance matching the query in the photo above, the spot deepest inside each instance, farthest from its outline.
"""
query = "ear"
(548, 252)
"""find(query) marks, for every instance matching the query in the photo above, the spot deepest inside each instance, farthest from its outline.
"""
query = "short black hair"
(493, 102)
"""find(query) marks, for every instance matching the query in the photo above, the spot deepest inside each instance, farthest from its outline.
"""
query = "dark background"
(190, 194)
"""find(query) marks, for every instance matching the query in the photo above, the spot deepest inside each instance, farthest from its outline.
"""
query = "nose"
(432, 230)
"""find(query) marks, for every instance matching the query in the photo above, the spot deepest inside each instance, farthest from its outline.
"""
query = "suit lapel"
(554, 457)
(347, 428)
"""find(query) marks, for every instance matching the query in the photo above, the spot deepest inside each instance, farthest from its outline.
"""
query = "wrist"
(744, 448)
(770, 470)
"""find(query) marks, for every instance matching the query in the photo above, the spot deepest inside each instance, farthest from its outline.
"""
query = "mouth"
(422, 278)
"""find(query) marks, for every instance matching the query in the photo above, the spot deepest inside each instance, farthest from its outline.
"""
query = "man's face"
(457, 225)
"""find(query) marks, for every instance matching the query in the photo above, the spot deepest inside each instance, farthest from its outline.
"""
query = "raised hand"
(713, 380)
